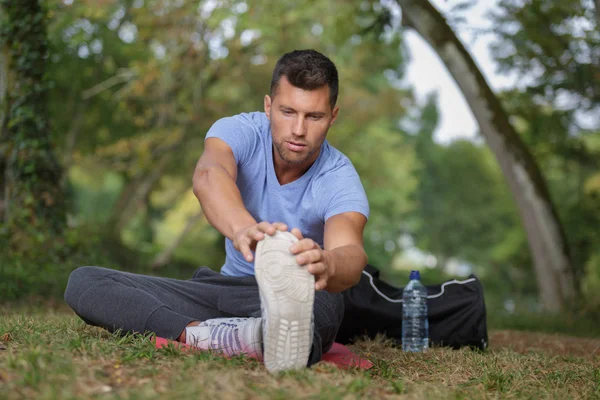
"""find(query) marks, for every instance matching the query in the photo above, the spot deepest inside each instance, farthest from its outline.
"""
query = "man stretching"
(293, 211)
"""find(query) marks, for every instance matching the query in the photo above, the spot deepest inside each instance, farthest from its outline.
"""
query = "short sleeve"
(344, 192)
(239, 134)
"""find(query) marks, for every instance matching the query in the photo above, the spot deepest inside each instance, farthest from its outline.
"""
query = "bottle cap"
(415, 275)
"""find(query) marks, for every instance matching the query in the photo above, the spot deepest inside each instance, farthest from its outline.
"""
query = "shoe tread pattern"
(287, 296)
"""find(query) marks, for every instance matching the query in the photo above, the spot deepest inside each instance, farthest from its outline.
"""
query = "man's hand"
(314, 258)
(245, 239)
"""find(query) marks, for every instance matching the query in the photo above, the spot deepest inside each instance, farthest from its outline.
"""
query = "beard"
(291, 157)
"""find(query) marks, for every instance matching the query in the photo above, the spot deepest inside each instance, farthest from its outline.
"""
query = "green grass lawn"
(53, 355)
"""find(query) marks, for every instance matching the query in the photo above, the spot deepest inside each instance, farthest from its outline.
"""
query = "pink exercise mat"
(339, 354)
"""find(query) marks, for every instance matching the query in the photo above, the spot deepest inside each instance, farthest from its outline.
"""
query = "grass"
(51, 354)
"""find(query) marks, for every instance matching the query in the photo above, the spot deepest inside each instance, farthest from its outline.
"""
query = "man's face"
(300, 120)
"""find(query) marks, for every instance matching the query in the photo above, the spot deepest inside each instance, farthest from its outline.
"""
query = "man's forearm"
(348, 263)
(221, 201)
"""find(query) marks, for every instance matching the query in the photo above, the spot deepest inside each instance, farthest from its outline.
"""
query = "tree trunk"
(547, 242)
(34, 202)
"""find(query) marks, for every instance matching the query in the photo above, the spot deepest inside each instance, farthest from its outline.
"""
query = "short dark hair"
(308, 70)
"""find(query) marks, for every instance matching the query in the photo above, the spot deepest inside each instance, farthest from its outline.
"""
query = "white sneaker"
(287, 293)
(232, 336)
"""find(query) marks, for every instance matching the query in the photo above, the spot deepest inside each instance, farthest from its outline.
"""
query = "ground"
(52, 354)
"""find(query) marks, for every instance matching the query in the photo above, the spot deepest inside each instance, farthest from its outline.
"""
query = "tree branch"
(124, 75)
(166, 255)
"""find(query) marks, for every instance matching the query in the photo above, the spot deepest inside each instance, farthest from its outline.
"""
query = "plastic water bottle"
(415, 325)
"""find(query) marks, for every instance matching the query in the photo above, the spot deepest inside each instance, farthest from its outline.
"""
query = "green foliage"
(555, 110)
(554, 44)
(569, 162)
(386, 164)
(591, 283)
(136, 85)
(45, 271)
(582, 324)
(465, 209)
(29, 173)
(140, 112)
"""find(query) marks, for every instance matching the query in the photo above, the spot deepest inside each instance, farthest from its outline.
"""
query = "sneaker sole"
(287, 292)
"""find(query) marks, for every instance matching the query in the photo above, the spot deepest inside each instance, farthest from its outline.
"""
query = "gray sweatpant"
(139, 303)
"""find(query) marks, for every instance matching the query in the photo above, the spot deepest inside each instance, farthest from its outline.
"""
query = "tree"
(546, 238)
(30, 176)
(557, 46)
(149, 102)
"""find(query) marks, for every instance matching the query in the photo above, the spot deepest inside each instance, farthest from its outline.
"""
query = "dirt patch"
(559, 345)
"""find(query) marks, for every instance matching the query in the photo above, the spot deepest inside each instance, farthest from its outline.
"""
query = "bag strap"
(431, 296)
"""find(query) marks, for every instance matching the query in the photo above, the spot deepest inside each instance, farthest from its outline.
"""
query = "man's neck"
(287, 173)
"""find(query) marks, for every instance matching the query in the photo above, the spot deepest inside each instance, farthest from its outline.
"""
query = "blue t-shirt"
(330, 186)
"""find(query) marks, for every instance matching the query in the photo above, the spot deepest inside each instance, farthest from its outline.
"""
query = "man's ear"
(334, 114)
(267, 103)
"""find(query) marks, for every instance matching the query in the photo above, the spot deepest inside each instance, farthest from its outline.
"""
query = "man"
(293, 211)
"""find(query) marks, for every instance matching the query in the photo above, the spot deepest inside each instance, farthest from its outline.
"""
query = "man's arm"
(343, 244)
(221, 200)
(215, 188)
(339, 265)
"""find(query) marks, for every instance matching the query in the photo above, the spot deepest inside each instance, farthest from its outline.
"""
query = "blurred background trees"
(549, 249)
(135, 84)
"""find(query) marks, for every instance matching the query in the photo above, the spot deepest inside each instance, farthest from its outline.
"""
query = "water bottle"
(415, 325)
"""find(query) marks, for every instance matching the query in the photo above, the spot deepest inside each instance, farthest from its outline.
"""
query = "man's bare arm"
(221, 200)
(339, 265)
(343, 245)
(216, 190)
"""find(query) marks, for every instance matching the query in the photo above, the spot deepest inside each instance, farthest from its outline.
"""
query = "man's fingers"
(316, 268)
(280, 226)
(246, 252)
(296, 232)
(253, 235)
(303, 245)
(257, 236)
(321, 283)
(247, 241)
(310, 256)
(266, 228)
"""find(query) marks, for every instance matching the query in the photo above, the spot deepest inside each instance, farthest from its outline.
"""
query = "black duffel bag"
(456, 311)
